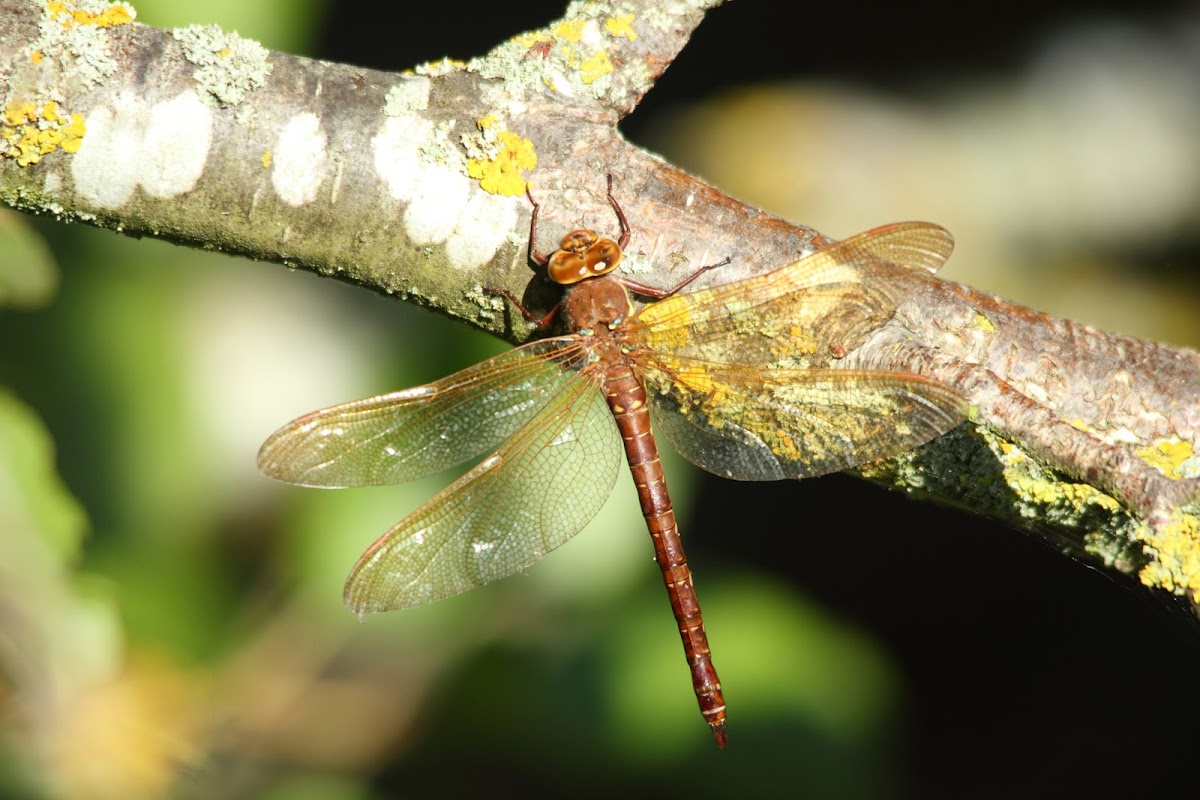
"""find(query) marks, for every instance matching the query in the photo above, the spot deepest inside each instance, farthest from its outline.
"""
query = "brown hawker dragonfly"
(740, 378)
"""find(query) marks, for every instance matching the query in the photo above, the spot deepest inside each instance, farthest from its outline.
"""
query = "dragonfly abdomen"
(627, 399)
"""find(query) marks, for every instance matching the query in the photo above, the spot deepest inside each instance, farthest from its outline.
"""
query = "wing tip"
(924, 245)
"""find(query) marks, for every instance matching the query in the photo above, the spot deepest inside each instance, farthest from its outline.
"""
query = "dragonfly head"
(583, 255)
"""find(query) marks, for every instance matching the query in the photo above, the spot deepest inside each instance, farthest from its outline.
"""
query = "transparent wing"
(405, 435)
(751, 424)
(793, 317)
(534, 493)
(739, 373)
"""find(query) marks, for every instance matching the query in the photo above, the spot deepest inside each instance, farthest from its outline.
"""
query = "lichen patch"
(482, 227)
(409, 95)
(70, 13)
(574, 57)
(621, 26)
(442, 205)
(300, 159)
(73, 41)
(175, 143)
(162, 147)
(1175, 549)
(1172, 457)
(29, 131)
(497, 157)
(397, 151)
(438, 198)
(228, 66)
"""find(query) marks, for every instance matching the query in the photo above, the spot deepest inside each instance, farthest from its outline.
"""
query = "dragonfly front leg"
(540, 323)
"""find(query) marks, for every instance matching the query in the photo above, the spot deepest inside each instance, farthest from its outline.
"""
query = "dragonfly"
(741, 378)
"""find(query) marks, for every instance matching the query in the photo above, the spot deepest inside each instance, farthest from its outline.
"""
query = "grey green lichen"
(73, 44)
(228, 66)
(573, 56)
(988, 474)
(410, 95)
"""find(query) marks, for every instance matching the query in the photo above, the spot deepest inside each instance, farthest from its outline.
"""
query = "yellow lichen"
(595, 67)
(570, 30)
(533, 38)
(1054, 495)
(500, 172)
(30, 131)
(266, 159)
(621, 26)
(1167, 456)
(68, 14)
(983, 323)
(435, 69)
(19, 111)
(1176, 552)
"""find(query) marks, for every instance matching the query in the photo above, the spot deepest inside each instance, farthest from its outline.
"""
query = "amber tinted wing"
(738, 372)
(536, 491)
(793, 317)
(406, 435)
(771, 424)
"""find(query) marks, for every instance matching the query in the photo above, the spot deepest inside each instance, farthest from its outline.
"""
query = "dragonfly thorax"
(601, 303)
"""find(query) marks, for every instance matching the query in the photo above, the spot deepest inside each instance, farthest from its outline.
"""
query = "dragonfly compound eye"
(565, 268)
(603, 256)
(578, 241)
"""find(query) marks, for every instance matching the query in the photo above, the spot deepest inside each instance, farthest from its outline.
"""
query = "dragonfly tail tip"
(719, 734)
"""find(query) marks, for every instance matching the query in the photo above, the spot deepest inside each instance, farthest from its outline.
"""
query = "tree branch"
(412, 185)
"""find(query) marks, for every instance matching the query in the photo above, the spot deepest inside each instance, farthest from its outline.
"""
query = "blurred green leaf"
(33, 499)
(28, 273)
(316, 786)
(285, 25)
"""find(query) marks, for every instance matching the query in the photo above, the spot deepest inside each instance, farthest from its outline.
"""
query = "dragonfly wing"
(793, 317)
(534, 493)
(405, 435)
(750, 424)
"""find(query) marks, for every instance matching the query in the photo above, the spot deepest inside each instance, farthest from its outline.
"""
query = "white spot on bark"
(299, 159)
(103, 170)
(481, 228)
(175, 145)
(434, 206)
(162, 148)
(443, 205)
(397, 149)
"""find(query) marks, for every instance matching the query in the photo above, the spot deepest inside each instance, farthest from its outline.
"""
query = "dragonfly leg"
(659, 293)
(538, 322)
(537, 257)
(626, 232)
